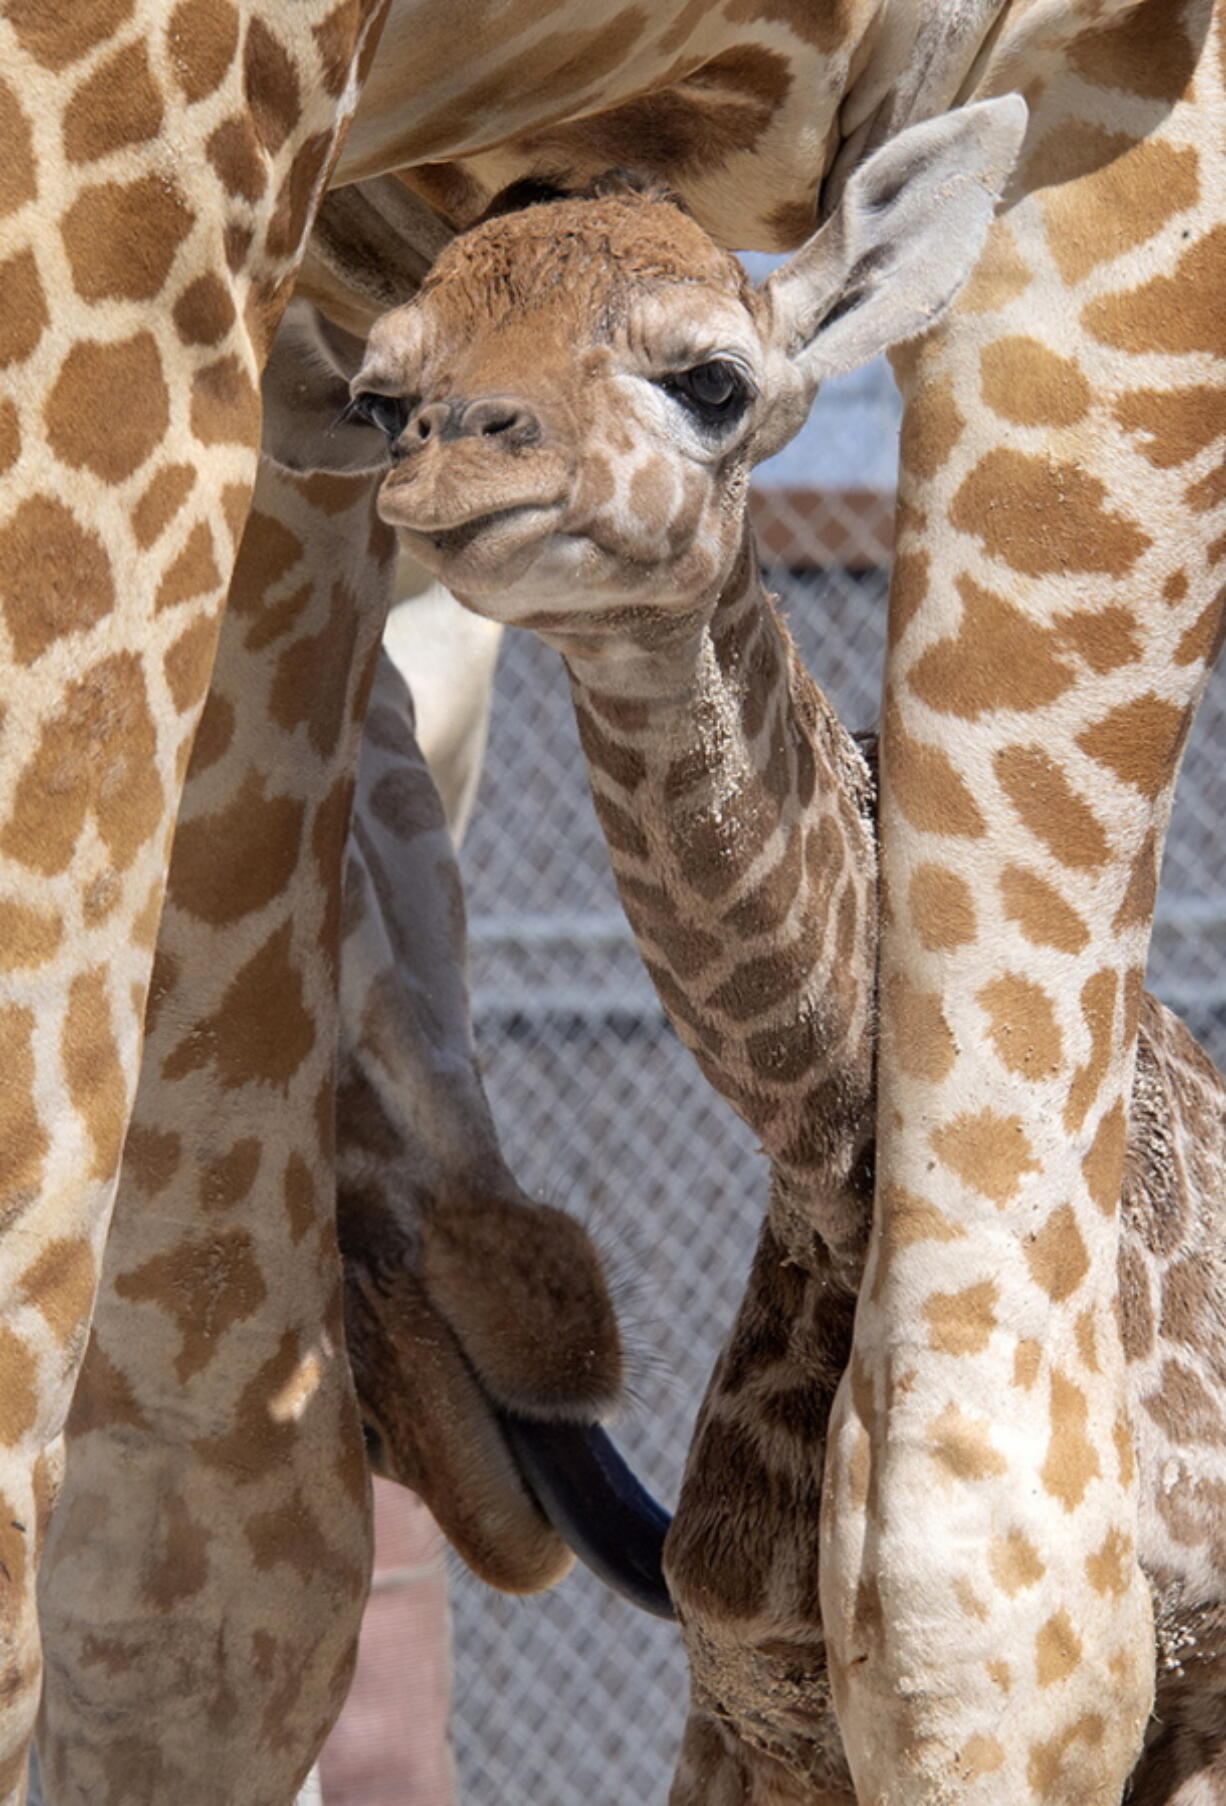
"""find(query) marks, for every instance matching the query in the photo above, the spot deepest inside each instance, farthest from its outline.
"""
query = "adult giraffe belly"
(738, 113)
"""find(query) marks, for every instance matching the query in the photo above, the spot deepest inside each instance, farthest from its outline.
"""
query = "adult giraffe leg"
(209, 1558)
(161, 165)
(1056, 602)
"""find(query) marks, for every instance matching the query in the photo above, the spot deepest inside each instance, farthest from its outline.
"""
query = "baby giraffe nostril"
(500, 417)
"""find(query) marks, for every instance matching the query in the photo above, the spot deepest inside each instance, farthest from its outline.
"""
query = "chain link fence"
(575, 1699)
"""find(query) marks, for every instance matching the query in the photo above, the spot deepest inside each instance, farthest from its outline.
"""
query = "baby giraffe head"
(575, 399)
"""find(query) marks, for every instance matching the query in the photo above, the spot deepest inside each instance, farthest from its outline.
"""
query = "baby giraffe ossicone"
(574, 404)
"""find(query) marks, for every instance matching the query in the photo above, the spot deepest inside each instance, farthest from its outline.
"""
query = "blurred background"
(574, 1699)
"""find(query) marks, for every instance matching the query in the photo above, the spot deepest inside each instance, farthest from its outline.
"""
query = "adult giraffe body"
(162, 168)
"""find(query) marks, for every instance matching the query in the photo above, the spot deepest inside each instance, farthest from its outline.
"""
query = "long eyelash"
(350, 411)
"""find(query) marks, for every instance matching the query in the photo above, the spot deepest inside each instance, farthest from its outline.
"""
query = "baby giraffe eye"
(715, 392)
(388, 412)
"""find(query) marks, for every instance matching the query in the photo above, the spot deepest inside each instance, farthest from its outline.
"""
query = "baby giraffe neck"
(737, 812)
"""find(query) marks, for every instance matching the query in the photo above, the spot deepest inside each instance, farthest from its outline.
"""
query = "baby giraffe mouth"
(451, 542)
(596, 1504)
(589, 1494)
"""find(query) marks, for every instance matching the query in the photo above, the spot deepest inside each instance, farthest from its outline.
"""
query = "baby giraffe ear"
(911, 222)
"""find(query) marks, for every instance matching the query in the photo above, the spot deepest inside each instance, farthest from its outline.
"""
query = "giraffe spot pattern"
(264, 834)
(29, 937)
(151, 1158)
(122, 238)
(1173, 425)
(202, 41)
(109, 407)
(266, 553)
(261, 1032)
(1176, 313)
(188, 663)
(1104, 638)
(906, 1219)
(1044, 518)
(1103, 1166)
(205, 1286)
(117, 105)
(56, 37)
(225, 404)
(962, 1445)
(1109, 1568)
(270, 86)
(93, 1069)
(932, 427)
(909, 585)
(334, 38)
(1203, 640)
(1045, 918)
(1140, 741)
(23, 1140)
(1000, 1676)
(55, 577)
(1049, 806)
(1146, 51)
(23, 308)
(1098, 1000)
(175, 1566)
(969, 1603)
(1136, 907)
(1022, 1026)
(235, 152)
(192, 572)
(226, 1181)
(1209, 493)
(1106, 193)
(60, 1282)
(19, 1389)
(923, 1043)
(204, 312)
(1071, 1462)
(1086, 1336)
(1027, 1359)
(291, 1533)
(103, 1399)
(1057, 1650)
(298, 698)
(1056, 1255)
(96, 756)
(1023, 381)
(988, 1152)
(942, 910)
(298, 1192)
(215, 732)
(627, 767)
(927, 788)
(1137, 1321)
(1184, 1408)
(1000, 275)
(165, 495)
(406, 802)
(10, 436)
(1187, 1302)
(18, 171)
(289, 215)
(961, 1323)
(1014, 1563)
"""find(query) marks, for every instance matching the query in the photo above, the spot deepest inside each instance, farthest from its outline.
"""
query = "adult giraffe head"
(575, 400)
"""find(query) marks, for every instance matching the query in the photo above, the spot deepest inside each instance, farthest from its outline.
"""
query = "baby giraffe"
(574, 404)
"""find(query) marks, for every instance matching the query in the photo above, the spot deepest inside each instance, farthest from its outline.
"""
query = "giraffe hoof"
(596, 1505)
